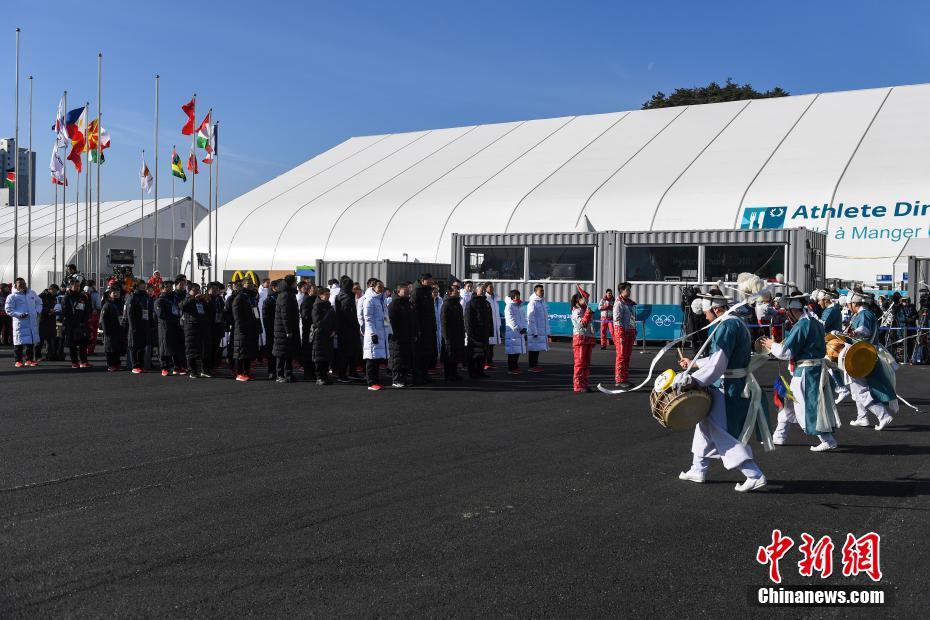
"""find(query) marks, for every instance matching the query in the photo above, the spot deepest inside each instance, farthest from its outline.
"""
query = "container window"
(573, 263)
(661, 263)
(494, 263)
(726, 262)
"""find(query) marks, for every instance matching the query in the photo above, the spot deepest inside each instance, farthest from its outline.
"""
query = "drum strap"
(757, 416)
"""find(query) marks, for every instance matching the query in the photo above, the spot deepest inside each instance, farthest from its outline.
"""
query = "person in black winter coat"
(453, 334)
(47, 324)
(196, 320)
(286, 329)
(402, 341)
(479, 329)
(321, 336)
(348, 332)
(268, 309)
(170, 335)
(75, 316)
(136, 313)
(247, 327)
(234, 288)
(306, 326)
(218, 332)
(114, 332)
(425, 315)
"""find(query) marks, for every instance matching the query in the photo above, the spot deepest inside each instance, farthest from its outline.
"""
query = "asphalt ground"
(125, 495)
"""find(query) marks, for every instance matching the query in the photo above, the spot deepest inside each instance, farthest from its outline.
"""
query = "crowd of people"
(331, 333)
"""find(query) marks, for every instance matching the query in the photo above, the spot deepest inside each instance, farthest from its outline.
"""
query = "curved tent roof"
(761, 163)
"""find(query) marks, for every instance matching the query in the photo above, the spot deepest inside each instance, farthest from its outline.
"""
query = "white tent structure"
(850, 163)
(119, 228)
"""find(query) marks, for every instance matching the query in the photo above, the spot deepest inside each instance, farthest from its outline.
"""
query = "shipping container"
(659, 264)
(390, 272)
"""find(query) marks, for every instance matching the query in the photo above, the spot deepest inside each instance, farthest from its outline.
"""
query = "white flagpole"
(98, 267)
(16, 169)
(31, 197)
(55, 237)
(156, 172)
(142, 222)
(172, 271)
(64, 197)
(87, 252)
(216, 201)
(193, 180)
(210, 193)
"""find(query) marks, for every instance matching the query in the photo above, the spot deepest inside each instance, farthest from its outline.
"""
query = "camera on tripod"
(122, 262)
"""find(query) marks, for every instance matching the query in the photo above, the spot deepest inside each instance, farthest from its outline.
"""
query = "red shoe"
(18, 364)
(75, 365)
(375, 387)
(32, 363)
(86, 365)
(488, 366)
(165, 372)
(536, 369)
(182, 371)
(243, 378)
(137, 371)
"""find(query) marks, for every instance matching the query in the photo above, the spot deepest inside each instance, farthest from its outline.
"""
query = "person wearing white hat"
(724, 371)
(810, 384)
(874, 393)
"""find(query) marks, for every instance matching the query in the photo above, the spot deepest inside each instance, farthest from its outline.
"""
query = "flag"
(192, 162)
(76, 125)
(176, 168)
(145, 177)
(60, 128)
(205, 138)
(57, 167)
(10, 180)
(188, 109)
(92, 136)
(93, 156)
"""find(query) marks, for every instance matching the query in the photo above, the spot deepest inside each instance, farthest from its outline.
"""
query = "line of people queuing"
(331, 333)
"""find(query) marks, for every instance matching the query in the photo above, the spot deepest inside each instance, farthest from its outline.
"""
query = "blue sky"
(291, 79)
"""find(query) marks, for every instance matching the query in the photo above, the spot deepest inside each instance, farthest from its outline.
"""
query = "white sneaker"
(858, 422)
(883, 423)
(823, 447)
(751, 484)
(841, 397)
(398, 385)
(691, 476)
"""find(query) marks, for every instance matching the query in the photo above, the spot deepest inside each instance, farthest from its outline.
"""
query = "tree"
(712, 93)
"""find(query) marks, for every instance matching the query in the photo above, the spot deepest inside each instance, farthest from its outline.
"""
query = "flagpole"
(142, 223)
(193, 182)
(64, 195)
(210, 194)
(55, 235)
(216, 201)
(87, 265)
(156, 172)
(31, 180)
(16, 169)
(99, 259)
(172, 271)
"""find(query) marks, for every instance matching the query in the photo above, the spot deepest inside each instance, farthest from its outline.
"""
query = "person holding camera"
(75, 312)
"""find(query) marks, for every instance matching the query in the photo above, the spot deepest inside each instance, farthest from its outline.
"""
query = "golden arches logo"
(248, 275)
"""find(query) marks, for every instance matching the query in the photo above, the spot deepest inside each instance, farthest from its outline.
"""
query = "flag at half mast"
(145, 177)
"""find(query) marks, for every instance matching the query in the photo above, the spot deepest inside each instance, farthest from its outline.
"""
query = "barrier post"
(643, 350)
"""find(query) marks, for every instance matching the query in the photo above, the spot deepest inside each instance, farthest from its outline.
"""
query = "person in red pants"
(607, 317)
(582, 340)
(624, 334)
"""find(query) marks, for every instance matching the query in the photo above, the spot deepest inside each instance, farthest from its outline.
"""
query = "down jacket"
(170, 336)
(24, 307)
(286, 324)
(375, 316)
(537, 324)
(403, 328)
(246, 324)
(453, 330)
(324, 326)
(514, 327)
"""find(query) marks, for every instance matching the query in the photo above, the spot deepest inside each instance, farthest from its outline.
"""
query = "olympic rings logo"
(663, 320)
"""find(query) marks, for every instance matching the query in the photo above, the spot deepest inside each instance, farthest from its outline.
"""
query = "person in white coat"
(514, 331)
(468, 289)
(24, 306)
(537, 326)
(496, 336)
(377, 329)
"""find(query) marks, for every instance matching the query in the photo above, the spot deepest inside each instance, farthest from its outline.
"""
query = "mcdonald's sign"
(244, 274)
